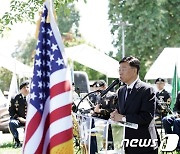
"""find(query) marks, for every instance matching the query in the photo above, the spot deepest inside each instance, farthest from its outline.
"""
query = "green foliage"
(5, 79)
(68, 18)
(155, 26)
(24, 51)
(22, 11)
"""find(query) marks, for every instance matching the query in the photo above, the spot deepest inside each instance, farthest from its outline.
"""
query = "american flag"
(49, 123)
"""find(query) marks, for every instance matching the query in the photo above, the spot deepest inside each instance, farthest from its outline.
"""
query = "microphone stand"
(84, 98)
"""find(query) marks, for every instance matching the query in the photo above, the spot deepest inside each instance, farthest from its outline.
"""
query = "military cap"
(159, 80)
(94, 84)
(23, 84)
(100, 83)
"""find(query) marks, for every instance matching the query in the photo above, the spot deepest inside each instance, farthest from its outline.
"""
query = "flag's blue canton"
(48, 59)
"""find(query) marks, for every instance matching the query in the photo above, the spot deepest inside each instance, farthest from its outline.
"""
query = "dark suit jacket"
(138, 108)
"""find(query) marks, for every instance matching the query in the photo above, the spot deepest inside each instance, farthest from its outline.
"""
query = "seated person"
(17, 111)
(173, 120)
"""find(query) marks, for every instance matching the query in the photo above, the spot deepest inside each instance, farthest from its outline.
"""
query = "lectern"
(91, 127)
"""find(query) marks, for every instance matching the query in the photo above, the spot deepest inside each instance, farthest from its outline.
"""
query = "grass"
(7, 148)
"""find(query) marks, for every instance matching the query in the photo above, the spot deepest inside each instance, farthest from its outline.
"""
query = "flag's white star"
(49, 32)
(48, 74)
(43, 19)
(48, 85)
(40, 84)
(44, 41)
(43, 30)
(43, 62)
(44, 74)
(54, 47)
(40, 95)
(51, 57)
(41, 106)
(48, 52)
(43, 52)
(38, 62)
(39, 73)
(49, 64)
(38, 51)
(38, 41)
(60, 61)
(44, 84)
(33, 96)
(48, 42)
(32, 85)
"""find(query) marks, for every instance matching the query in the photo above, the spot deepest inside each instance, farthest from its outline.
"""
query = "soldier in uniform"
(163, 98)
(17, 111)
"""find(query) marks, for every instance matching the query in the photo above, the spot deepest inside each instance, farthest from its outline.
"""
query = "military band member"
(17, 112)
(103, 109)
(163, 98)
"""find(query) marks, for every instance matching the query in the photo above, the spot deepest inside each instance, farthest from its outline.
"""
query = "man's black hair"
(133, 62)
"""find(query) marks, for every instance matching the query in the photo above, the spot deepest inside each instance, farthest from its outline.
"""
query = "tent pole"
(107, 79)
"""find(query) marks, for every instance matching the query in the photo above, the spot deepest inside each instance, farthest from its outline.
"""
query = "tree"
(25, 50)
(5, 79)
(22, 11)
(155, 26)
(68, 19)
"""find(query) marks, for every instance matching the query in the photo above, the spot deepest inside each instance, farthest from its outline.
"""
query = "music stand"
(85, 127)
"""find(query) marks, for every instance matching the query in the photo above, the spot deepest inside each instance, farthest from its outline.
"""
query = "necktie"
(128, 92)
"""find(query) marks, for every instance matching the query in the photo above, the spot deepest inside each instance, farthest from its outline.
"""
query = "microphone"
(104, 92)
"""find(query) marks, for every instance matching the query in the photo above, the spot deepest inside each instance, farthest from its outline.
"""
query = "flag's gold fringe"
(63, 148)
(38, 25)
(47, 21)
(48, 17)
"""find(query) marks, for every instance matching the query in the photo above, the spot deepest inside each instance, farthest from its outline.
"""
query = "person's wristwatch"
(124, 119)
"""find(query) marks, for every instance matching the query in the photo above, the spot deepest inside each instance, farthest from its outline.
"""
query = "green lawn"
(7, 148)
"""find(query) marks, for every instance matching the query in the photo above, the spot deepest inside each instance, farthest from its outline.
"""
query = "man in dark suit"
(17, 112)
(136, 104)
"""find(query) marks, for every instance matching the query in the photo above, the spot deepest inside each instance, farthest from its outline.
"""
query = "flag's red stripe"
(60, 88)
(53, 116)
(59, 138)
(32, 126)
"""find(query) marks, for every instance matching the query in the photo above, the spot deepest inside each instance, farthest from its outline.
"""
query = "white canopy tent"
(165, 64)
(15, 66)
(94, 59)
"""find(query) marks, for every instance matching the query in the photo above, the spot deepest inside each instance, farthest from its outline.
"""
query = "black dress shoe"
(17, 145)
